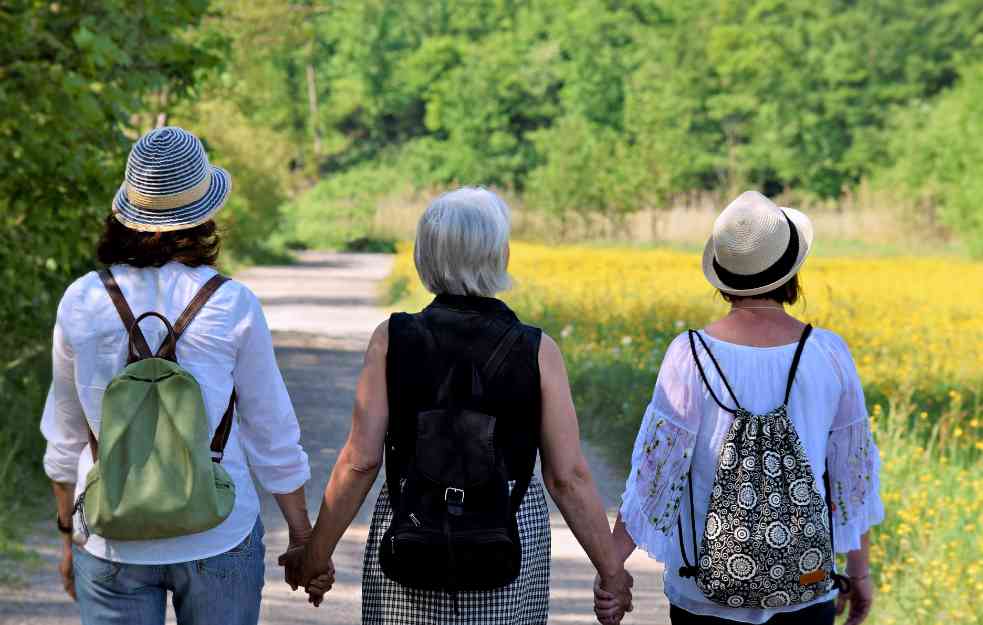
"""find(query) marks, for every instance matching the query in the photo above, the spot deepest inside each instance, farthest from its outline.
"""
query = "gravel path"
(322, 312)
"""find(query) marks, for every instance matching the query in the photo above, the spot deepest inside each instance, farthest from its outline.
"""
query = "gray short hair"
(462, 243)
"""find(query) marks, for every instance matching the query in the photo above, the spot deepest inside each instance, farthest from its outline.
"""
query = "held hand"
(299, 533)
(66, 570)
(292, 562)
(860, 598)
(319, 586)
(613, 598)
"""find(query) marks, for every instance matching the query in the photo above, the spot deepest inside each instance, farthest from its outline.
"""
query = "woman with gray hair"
(459, 399)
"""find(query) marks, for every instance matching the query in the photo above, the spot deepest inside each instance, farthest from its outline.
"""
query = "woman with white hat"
(756, 442)
(158, 249)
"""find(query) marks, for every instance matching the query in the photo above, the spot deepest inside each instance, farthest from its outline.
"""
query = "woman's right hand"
(613, 598)
(860, 598)
(319, 586)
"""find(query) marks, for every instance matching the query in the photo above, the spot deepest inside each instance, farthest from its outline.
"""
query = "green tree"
(936, 152)
(78, 82)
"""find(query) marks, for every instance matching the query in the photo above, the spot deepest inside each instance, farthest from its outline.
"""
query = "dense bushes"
(76, 80)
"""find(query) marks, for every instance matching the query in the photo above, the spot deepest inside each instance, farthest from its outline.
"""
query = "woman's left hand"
(860, 599)
(65, 568)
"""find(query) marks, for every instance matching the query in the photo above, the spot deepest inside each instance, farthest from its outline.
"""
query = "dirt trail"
(322, 311)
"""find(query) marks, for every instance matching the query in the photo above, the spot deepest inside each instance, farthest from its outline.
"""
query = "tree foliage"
(607, 106)
(78, 80)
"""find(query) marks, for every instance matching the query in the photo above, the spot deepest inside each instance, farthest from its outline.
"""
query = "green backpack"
(155, 475)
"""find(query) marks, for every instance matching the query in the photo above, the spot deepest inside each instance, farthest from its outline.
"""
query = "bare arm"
(293, 506)
(858, 561)
(64, 493)
(359, 461)
(624, 544)
(565, 471)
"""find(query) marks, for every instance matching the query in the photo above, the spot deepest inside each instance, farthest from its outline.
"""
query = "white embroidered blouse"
(683, 429)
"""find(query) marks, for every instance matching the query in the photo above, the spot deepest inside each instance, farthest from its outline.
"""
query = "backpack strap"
(502, 351)
(197, 303)
(688, 570)
(795, 361)
(393, 452)
(126, 315)
(703, 375)
(488, 373)
(224, 429)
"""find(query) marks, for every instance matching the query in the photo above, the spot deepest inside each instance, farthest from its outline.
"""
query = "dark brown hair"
(788, 293)
(193, 247)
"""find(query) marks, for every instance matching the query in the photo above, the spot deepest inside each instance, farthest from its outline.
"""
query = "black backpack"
(454, 518)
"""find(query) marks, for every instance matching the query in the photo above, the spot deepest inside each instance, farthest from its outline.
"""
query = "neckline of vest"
(471, 303)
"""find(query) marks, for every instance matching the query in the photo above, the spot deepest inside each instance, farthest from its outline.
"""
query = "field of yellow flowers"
(914, 326)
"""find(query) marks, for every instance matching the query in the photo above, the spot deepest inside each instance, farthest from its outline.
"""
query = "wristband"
(64, 529)
(859, 577)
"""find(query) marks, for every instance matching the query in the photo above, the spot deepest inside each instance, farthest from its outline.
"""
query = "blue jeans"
(222, 589)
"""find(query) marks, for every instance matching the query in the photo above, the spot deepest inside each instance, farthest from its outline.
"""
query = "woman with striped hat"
(158, 249)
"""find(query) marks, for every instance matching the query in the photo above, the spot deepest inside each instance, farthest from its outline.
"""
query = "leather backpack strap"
(125, 314)
(194, 307)
(135, 337)
(224, 429)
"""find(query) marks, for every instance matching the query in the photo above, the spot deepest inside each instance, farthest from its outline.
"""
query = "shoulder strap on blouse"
(703, 375)
(795, 361)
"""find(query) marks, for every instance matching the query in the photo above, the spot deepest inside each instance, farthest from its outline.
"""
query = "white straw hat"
(169, 183)
(756, 246)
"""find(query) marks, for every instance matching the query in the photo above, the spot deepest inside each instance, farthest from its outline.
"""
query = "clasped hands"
(612, 594)
(612, 597)
(302, 569)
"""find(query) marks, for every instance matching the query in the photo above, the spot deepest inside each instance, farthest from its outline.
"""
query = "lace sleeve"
(662, 454)
(853, 461)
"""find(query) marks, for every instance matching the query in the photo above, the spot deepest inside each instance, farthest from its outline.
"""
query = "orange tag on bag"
(811, 578)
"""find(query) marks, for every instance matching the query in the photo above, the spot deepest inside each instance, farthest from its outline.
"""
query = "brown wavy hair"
(193, 247)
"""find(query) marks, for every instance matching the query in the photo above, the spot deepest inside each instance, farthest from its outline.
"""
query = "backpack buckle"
(455, 501)
(217, 456)
(454, 496)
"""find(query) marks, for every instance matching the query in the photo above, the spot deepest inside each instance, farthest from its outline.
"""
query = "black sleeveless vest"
(464, 328)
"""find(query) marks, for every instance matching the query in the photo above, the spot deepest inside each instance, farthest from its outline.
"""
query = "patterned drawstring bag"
(768, 539)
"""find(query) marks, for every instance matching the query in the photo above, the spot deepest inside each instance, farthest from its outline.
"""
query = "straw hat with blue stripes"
(169, 183)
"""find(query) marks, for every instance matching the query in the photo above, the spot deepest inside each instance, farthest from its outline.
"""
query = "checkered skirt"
(523, 602)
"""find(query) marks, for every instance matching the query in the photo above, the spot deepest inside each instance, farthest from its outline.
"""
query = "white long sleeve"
(227, 343)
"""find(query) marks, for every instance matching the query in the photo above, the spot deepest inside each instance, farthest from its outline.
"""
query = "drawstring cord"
(688, 570)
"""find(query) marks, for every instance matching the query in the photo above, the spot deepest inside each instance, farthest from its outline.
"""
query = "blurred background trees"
(325, 111)
(587, 108)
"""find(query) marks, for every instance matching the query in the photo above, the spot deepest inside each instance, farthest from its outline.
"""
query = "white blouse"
(227, 342)
(684, 428)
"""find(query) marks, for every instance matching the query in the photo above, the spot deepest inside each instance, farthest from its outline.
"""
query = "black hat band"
(778, 270)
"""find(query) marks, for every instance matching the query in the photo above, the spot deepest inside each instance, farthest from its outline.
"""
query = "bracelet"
(859, 578)
(64, 529)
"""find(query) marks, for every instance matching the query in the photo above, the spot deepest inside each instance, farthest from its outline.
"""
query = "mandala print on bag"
(767, 542)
